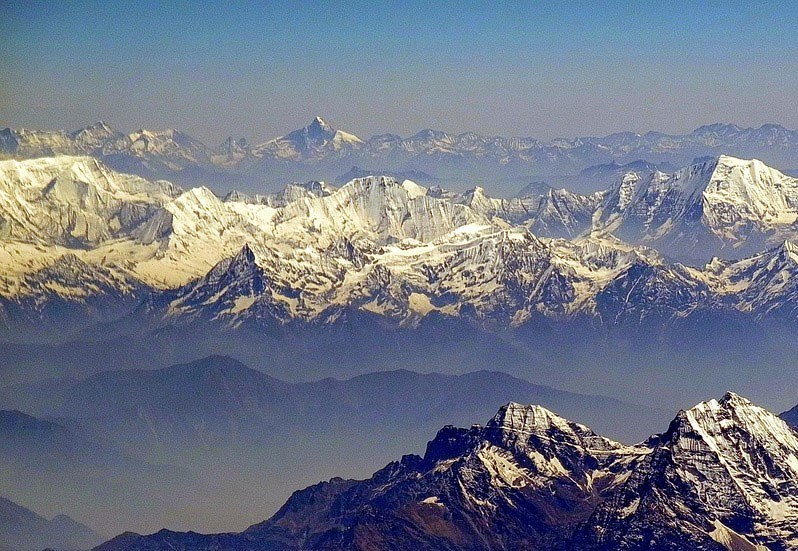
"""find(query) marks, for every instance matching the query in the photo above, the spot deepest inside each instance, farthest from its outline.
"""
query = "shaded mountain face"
(723, 476)
(358, 172)
(609, 173)
(218, 400)
(23, 530)
(51, 467)
(320, 151)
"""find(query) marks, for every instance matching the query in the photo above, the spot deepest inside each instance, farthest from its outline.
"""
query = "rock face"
(723, 476)
(727, 470)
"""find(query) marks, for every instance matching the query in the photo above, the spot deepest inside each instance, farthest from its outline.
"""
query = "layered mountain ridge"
(724, 476)
(23, 530)
(320, 151)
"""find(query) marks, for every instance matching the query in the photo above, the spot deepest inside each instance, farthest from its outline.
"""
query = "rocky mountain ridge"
(724, 476)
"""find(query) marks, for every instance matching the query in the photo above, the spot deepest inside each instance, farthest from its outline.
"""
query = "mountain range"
(319, 151)
(98, 266)
(723, 476)
(119, 290)
(82, 242)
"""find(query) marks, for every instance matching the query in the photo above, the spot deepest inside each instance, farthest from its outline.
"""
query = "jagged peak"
(317, 187)
(476, 190)
(237, 196)
(733, 399)
(169, 133)
(429, 134)
(371, 181)
(245, 255)
(231, 143)
(198, 195)
(386, 185)
(243, 263)
(317, 134)
(318, 128)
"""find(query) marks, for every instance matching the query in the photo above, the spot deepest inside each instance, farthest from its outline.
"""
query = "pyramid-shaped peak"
(242, 266)
(245, 255)
(430, 134)
(319, 125)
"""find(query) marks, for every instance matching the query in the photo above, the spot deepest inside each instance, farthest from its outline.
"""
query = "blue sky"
(261, 69)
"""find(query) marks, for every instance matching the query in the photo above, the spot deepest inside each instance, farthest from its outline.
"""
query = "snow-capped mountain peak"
(435, 251)
(314, 141)
(94, 136)
(741, 462)
(712, 420)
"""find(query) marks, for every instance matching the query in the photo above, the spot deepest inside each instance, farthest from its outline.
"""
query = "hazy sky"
(262, 69)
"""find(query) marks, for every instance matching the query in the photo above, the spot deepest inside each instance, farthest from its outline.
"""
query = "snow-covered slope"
(724, 476)
(74, 201)
(765, 284)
